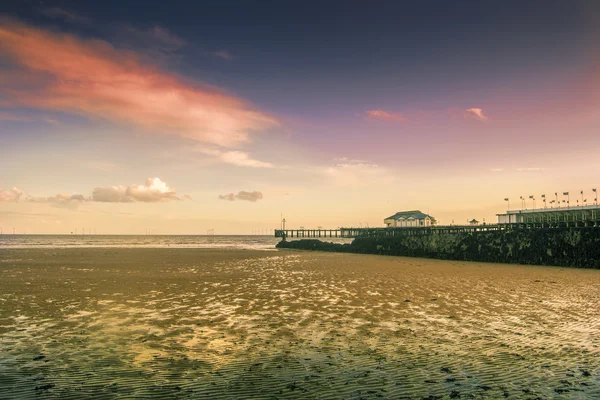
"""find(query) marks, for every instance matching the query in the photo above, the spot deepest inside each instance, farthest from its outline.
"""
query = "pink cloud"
(384, 115)
(476, 113)
(91, 77)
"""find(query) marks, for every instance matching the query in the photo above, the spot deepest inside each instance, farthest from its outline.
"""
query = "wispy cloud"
(384, 115)
(235, 157)
(90, 77)
(356, 172)
(526, 169)
(246, 196)
(156, 37)
(10, 195)
(476, 113)
(224, 54)
(14, 117)
(61, 13)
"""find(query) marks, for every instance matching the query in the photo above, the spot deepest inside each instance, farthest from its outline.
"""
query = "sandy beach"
(198, 323)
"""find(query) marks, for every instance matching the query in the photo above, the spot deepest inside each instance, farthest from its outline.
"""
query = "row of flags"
(543, 196)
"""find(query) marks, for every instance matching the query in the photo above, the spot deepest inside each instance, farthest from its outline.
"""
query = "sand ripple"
(149, 323)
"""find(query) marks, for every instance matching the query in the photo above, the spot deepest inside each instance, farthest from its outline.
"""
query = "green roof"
(416, 214)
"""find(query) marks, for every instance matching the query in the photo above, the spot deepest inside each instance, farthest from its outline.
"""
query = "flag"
(556, 193)
(594, 190)
(531, 197)
(506, 199)
(582, 192)
(543, 196)
(565, 193)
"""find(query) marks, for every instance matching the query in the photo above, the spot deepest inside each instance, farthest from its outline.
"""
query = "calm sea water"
(255, 242)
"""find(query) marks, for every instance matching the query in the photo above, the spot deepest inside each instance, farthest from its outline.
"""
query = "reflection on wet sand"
(191, 323)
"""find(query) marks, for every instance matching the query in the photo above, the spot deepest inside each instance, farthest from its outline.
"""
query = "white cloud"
(10, 195)
(153, 190)
(247, 196)
(476, 113)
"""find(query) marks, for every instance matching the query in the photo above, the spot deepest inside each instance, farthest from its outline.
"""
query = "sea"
(233, 242)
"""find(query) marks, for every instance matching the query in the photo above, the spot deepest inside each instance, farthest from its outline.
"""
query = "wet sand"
(196, 323)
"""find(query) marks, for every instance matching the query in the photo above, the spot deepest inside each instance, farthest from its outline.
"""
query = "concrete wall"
(573, 247)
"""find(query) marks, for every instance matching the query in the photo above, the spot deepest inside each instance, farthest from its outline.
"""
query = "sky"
(129, 117)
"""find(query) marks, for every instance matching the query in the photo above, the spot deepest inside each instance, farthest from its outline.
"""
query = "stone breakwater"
(569, 247)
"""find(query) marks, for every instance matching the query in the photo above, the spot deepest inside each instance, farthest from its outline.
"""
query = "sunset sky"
(123, 116)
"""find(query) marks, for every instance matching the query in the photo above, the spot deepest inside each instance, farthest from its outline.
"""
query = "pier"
(431, 230)
(382, 232)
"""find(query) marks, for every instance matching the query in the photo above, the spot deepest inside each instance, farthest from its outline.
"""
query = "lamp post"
(544, 200)
(533, 198)
(582, 197)
(595, 196)
(508, 203)
(522, 202)
(556, 195)
(568, 198)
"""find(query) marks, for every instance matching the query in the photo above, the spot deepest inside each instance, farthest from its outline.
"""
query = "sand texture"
(197, 323)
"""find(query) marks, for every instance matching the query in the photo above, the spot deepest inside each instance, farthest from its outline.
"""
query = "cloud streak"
(246, 196)
(384, 115)
(224, 54)
(91, 77)
(235, 157)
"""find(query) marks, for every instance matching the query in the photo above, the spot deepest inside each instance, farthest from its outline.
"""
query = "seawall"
(570, 247)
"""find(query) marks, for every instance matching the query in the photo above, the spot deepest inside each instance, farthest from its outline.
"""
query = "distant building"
(406, 219)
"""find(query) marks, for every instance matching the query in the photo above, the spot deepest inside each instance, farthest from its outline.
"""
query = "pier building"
(551, 217)
(409, 219)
